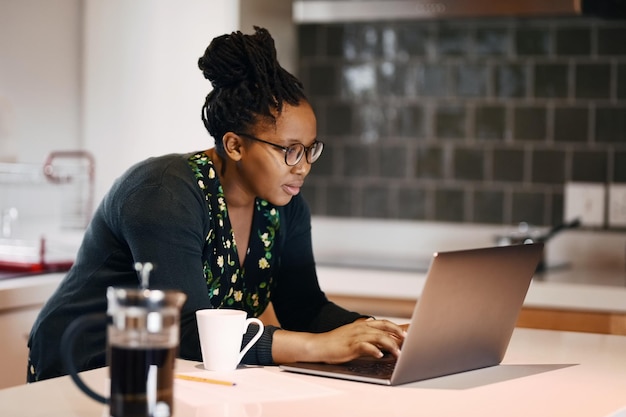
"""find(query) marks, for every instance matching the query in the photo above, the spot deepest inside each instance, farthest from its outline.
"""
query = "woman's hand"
(362, 338)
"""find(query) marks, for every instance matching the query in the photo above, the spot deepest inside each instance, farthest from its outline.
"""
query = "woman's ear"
(233, 145)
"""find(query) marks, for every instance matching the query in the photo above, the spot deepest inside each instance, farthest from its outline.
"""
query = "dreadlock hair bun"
(248, 82)
(236, 58)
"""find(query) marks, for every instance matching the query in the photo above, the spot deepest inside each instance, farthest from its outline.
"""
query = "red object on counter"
(38, 267)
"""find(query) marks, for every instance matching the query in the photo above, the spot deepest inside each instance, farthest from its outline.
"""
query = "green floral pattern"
(230, 285)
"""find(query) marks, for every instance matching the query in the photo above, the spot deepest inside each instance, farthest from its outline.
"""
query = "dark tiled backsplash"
(475, 121)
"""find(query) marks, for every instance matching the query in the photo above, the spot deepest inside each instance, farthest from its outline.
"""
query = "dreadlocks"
(248, 83)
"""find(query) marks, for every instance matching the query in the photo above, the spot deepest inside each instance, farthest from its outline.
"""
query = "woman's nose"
(302, 167)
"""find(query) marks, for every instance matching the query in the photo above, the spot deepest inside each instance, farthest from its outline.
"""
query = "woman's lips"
(292, 189)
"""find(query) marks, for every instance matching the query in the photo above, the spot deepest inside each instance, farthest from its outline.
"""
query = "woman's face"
(263, 166)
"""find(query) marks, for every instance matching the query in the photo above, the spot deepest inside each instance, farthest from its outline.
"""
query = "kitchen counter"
(544, 373)
(27, 291)
(552, 301)
(20, 302)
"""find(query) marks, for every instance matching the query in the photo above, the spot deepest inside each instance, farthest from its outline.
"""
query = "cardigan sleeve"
(163, 225)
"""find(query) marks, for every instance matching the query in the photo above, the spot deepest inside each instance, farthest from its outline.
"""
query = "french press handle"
(68, 342)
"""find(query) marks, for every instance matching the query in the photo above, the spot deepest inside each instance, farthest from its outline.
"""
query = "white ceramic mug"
(221, 333)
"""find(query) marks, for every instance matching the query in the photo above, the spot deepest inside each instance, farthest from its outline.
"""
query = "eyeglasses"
(295, 152)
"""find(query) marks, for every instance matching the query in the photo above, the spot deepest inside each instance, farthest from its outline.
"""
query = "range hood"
(317, 11)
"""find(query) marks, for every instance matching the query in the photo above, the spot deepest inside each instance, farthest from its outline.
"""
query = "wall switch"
(617, 205)
(585, 201)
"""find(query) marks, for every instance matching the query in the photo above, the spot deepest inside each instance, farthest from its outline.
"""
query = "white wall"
(39, 78)
(118, 78)
(143, 91)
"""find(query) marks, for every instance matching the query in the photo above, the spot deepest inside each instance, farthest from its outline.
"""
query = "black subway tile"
(548, 167)
(529, 207)
(453, 41)
(375, 201)
(412, 203)
(324, 166)
(334, 40)
(432, 80)
(533, 41)
(393, 161)
(589, 166)
(492, 41)
(450, 121)
(362, 41)
(508, 165)
(310, 194)
(323, 80)
(358, 81)
(412, 39)
(510, 80)
(339, 200)
(490, 122)
(593, 80)
(370, 122)
(488, 207)
(619, 167)
(611, 124)
(468, 163)
(406, 61)
(551, 80)
(449, 205)
(471, 80)
(356, 163)
(571, 124)
(530, 123)
(395, 79)
(429, 162)
(621, 82)
(611, 40)
(408, 121)
(573, 41)
(556, 199)
(308, 40)
(338, 119)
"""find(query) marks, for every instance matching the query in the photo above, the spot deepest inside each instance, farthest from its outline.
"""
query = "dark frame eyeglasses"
(294, 152)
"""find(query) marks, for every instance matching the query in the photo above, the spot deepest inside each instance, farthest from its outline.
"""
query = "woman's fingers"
(383, 336)
(390, 327)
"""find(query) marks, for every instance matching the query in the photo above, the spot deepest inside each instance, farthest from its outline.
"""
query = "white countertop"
(544, 373)
(28, 291)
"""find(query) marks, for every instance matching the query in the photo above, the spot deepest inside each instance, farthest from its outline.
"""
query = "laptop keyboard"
(381, 368)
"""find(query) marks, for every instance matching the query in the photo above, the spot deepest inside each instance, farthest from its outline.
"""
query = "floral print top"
(229, 284)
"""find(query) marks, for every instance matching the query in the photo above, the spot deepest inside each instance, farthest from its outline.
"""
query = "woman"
(227, 226)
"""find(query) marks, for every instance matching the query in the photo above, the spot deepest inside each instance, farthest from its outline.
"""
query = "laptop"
(463, 320)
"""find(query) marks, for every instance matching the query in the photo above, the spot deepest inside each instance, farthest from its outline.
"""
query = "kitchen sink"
(33, 255)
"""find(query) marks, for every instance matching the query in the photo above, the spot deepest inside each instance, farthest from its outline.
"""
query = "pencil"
(205, 380)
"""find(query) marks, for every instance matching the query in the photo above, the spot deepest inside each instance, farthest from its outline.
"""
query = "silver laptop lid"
(467, 311)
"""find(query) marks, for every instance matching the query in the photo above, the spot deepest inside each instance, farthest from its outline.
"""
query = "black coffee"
(129, 370)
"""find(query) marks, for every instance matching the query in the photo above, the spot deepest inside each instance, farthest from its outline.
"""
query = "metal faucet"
(9, 216)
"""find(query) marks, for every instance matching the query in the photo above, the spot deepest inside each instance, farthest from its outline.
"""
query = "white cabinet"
(20, 302)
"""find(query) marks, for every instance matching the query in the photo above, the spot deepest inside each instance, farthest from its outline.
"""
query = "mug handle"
(256, 337)
(67, 349)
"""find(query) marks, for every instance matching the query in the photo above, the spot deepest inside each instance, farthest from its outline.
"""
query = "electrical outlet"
(617, 205)
(585, 201)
